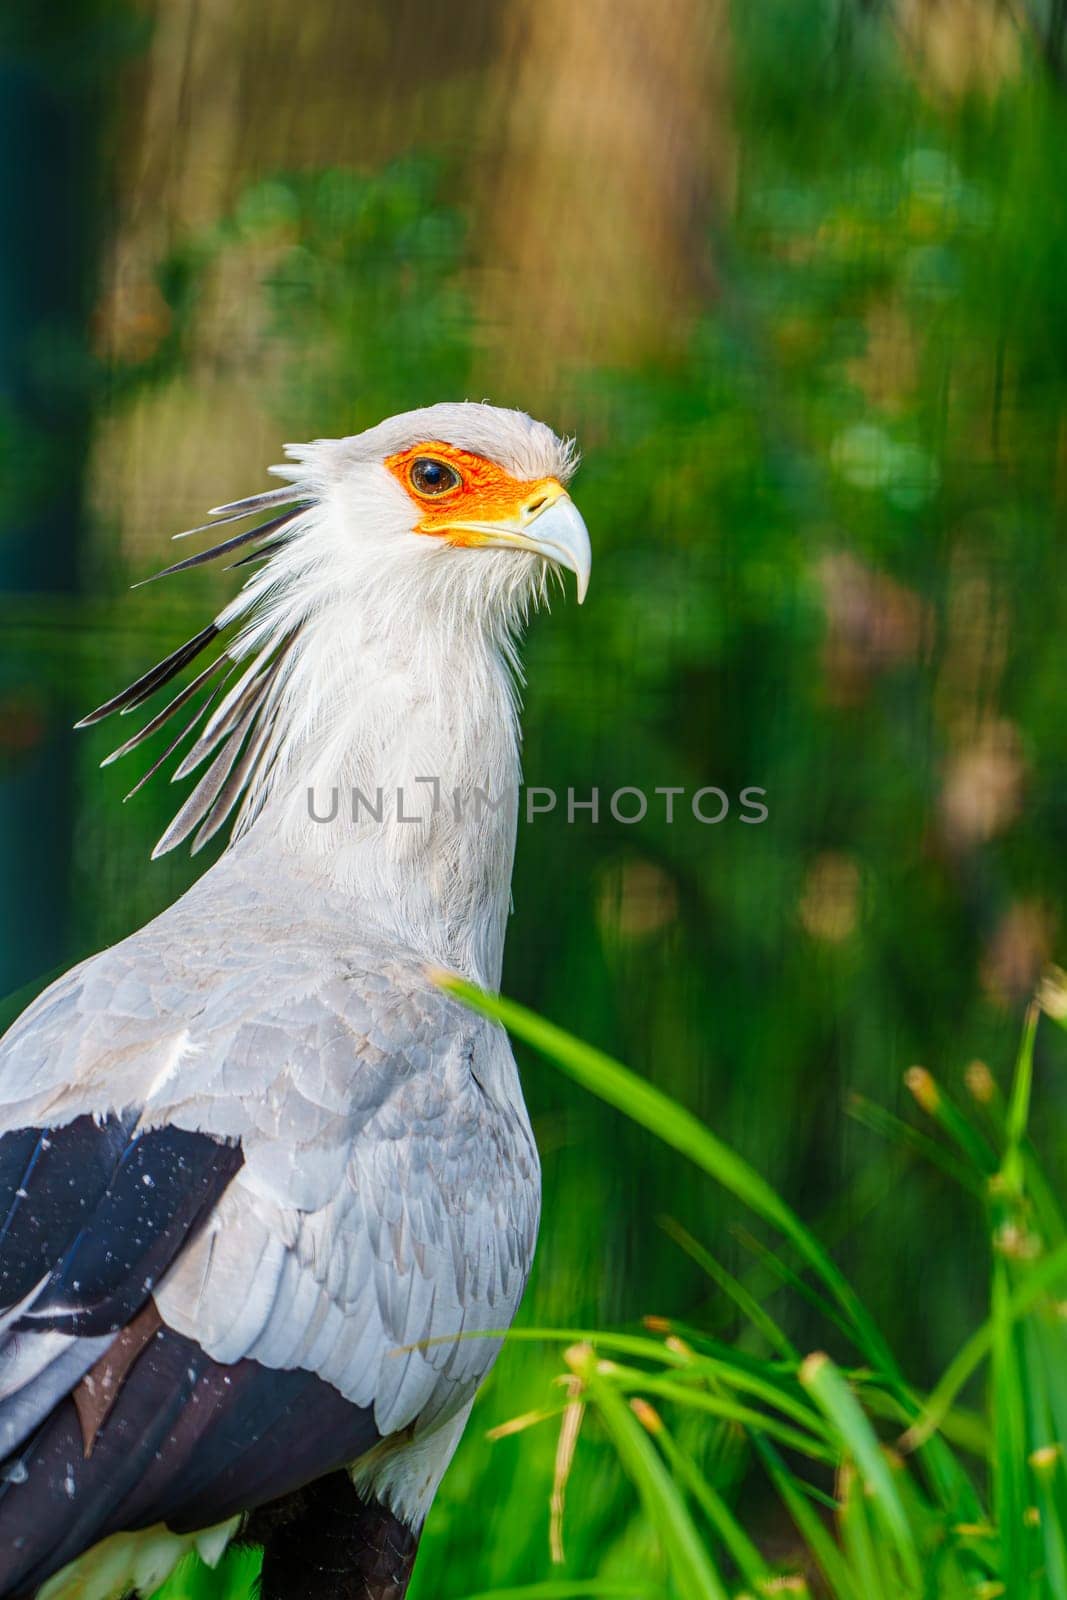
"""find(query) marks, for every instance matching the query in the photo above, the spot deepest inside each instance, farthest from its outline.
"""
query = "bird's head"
(450, 500)
(439, 521)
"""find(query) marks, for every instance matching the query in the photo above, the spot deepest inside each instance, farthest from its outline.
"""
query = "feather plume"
(178, 740)
(243, 718)
(260, 532)
(246, 766)
(155, 678)
(264, 553)
(169, 710)
(241, 701)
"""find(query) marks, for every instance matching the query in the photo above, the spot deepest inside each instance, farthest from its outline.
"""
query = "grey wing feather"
(390, 1189)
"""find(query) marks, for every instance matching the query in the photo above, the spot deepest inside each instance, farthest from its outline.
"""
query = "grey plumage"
(388, 1179)
(343, 1184)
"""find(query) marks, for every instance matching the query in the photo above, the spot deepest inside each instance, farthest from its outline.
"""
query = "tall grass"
(892, 1493)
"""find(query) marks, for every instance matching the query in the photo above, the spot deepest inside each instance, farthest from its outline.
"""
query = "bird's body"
(259, 1176)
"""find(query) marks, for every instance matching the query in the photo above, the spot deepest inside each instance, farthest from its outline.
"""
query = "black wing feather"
(93, 1214)
(164, 1182)
(51, 1181)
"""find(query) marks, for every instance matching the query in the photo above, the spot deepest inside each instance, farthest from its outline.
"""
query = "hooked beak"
(547, 522)
(560, 535)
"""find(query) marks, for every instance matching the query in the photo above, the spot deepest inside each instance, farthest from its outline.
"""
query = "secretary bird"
(259, 1174)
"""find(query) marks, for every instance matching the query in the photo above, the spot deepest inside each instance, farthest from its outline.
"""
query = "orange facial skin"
(485, 493)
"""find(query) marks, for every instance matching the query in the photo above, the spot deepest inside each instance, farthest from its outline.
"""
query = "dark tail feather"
(188, 1442)
(255, 1434)
(55, 1504)
(325, 1543)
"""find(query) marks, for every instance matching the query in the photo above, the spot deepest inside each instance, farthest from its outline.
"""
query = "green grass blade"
(565, 1590)
(783, 1272)
(664, 1505)
(756, 1422)
(764, 1384)
(735, 1541)
(932, 1098)
(1048, 1336)
(965, 1429)
(857, 1538)
(684, 1132)
(827, 1385)
(894, 1129)
(1047, 1209)
(1009, 1437)
(1022, 1083)
(236, 1577)
(632, 1344)
(841, 1582)
(1050, 1482)
(745, 1302)
(1049, 1271)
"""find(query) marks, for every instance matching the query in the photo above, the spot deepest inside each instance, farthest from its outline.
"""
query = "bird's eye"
(433, 477)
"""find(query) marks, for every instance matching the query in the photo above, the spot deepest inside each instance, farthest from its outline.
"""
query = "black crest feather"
(238, 740)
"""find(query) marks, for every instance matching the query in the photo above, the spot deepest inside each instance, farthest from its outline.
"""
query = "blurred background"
(794, 272)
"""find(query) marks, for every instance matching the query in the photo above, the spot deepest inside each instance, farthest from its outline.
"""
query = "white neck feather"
(375, 702)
